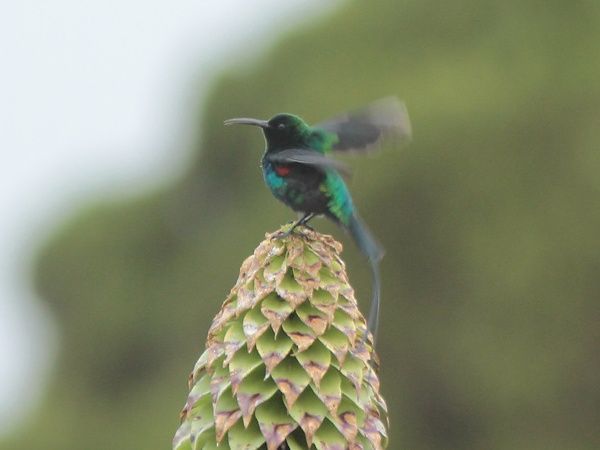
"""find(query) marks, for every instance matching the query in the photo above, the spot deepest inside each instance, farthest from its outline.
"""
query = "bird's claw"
(287, 233)
(284, 234)
(293, 229)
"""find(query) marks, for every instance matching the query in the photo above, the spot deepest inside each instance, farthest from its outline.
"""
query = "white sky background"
(98, 96)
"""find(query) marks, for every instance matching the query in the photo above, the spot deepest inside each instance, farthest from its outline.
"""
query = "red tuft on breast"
(282, 171)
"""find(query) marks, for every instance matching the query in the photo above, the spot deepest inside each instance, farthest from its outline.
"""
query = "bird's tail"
(369, 246)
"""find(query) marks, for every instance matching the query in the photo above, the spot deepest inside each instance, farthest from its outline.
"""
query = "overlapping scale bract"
(287, 364)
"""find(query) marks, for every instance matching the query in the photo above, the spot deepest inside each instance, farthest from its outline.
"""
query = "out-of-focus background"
(127, 207)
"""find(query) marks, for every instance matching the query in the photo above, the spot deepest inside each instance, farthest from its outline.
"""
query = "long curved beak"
(247, 121)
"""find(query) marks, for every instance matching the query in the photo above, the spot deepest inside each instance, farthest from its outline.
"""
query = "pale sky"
(97, 97)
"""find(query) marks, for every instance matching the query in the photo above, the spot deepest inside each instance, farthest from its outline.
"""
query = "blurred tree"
(489, 334)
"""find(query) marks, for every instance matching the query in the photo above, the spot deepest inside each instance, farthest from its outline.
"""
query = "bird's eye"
(281, 125)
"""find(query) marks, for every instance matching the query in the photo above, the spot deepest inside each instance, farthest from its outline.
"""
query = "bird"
(298, 169)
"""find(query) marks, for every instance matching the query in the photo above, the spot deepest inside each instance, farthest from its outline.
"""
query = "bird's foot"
(302, 221)
(294, 228)
(283, 233)
(288, 232)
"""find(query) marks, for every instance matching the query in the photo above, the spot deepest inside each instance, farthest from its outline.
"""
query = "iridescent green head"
(281, 131)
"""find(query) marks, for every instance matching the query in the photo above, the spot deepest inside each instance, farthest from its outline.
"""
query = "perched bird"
(298, 171)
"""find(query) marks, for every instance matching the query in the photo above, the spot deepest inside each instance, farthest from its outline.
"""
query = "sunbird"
(299, 172)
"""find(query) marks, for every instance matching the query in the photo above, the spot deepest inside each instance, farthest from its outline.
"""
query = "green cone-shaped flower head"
(287, 364)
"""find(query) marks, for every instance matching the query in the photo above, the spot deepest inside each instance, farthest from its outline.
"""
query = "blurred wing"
(309, 158)
(363, 129)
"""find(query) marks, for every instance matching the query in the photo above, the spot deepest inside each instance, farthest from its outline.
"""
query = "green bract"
(286, 364)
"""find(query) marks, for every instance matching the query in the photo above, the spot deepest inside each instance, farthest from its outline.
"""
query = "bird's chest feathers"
(277, 177)
(282, 170)
(290, 183)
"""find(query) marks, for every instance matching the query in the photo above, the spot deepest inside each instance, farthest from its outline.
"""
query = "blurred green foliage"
(490, 326)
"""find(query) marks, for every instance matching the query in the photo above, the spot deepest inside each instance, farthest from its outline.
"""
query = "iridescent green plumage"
(299, 172)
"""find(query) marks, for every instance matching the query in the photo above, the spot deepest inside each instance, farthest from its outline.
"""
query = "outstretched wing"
(309, 158)
(363, 129)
